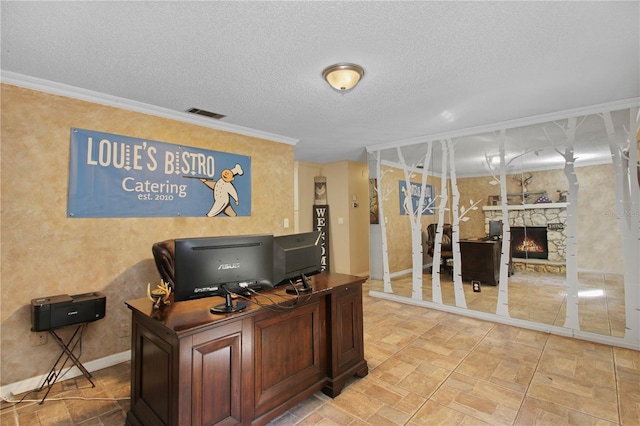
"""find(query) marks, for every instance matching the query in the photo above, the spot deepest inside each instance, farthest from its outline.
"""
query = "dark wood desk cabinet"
(481, 260)
(190, 367)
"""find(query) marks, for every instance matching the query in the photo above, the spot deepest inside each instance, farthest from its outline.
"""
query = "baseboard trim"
(8, 391)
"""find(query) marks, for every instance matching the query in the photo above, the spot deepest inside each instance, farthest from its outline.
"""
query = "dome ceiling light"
(343, 77)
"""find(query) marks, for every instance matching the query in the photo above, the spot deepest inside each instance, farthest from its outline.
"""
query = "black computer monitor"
(296, 257)
(220, 266)
(495, 229)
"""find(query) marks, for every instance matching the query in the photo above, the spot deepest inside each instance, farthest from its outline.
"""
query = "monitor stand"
(304, 288)
(228, 307)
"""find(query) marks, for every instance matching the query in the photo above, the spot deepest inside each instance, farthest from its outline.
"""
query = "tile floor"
(538, 297)
(426, 367)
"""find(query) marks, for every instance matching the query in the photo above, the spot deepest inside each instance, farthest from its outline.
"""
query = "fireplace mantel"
(527, 206)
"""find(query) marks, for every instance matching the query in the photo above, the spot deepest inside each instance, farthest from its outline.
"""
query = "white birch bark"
(436, 289)
(627, 209)
(386, 277)
(418, 262)
(458, 290)
(502, 306)
(415, 219)
(416, 236)
(572, 316)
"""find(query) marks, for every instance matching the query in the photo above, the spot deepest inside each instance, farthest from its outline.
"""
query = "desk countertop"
(185, 317)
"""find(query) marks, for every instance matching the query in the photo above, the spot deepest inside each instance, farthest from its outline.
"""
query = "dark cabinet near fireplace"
(481, 261)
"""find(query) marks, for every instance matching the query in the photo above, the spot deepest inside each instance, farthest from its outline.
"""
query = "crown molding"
(511, 124)
(55, 88)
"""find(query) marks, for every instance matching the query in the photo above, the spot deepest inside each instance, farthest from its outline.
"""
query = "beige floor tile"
(394, 370)
(627, 358)
(428, 367)
(578, 369)
(8, 418)
(313, 419)
(629, 412)
(502, 334)
(442, 355)
(410, 403)
(538, 412)
(389, 415)
(376, 388)
(335, 414)
(479, 399)
(628, 382)
(577, 394)
(424, 380)
(540, 298)
(308, 406)
(375, 355)
(356, 404)
(433, 413)
(510, 365)
(588, 350)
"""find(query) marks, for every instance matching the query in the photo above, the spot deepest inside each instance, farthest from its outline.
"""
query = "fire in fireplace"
(529, 242)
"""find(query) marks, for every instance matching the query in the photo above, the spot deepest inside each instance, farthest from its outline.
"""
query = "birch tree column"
(415, 220)
(458, 290)
(572, 319)
(436, 289)
(625, 163)
(382, 197)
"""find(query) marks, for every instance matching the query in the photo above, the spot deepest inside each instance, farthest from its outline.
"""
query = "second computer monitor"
(296, 256)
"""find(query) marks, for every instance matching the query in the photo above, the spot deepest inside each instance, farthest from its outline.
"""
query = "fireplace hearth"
(529, 242)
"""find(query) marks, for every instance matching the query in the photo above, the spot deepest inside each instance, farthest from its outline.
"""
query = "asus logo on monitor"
(203, 289)
(229, 266)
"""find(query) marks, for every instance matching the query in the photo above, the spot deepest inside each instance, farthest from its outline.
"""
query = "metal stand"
(67, 349)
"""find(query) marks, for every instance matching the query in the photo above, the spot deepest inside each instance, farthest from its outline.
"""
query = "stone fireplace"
(550, 218)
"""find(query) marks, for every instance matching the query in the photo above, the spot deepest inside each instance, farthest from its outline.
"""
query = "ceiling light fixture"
(343, 77)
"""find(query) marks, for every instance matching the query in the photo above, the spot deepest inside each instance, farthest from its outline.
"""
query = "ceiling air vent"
(199, 111)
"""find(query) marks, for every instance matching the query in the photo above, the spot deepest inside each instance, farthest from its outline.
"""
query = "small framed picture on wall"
(410, 199)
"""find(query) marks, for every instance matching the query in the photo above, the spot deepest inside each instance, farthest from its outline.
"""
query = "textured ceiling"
(430, 67)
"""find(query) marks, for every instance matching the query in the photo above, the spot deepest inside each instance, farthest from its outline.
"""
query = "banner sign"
(410, 199)
(321, 223)
(120, 176)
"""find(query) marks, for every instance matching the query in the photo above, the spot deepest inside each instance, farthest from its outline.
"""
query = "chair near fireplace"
(446, 248)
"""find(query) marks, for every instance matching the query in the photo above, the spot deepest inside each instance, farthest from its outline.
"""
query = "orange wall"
(349, 240)
(45, 253)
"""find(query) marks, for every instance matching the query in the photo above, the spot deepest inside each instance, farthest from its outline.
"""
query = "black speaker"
(49, 313)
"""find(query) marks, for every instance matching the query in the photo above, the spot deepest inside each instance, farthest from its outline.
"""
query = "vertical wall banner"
(321, 223)
(121, 176)
(412, 198)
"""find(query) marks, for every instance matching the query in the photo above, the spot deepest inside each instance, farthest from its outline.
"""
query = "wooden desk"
(481, 260)
(190, 367)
